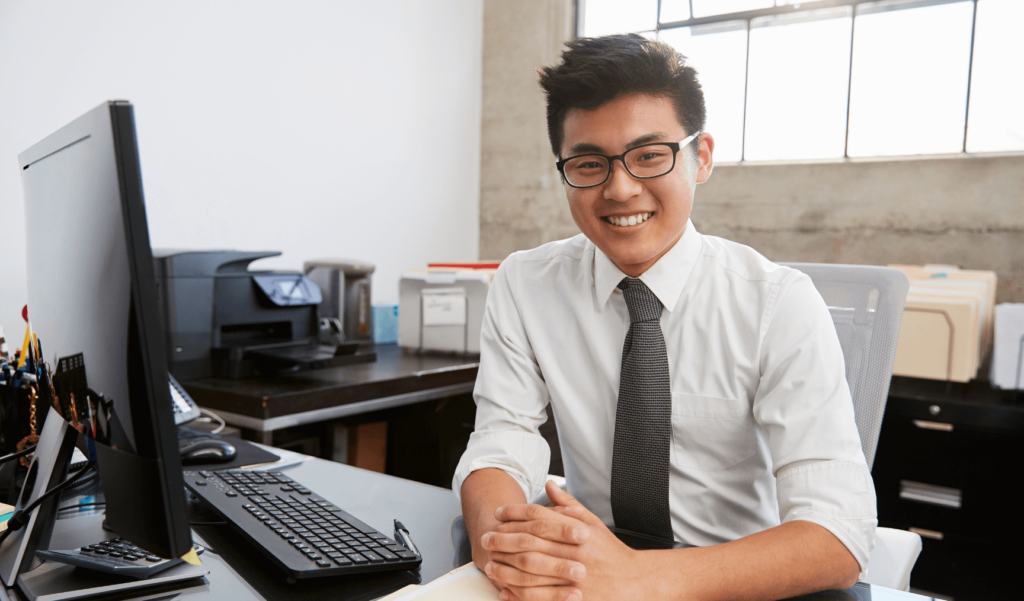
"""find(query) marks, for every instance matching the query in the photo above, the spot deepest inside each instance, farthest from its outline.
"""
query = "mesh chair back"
(866, 303)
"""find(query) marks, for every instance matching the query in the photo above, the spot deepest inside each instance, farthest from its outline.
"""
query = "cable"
(20, 518)
(216, 418)
(27, 451)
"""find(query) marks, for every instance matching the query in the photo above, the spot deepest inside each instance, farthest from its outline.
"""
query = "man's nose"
(621, 186)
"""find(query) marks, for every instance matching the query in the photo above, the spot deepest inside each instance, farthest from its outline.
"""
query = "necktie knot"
(643, 305)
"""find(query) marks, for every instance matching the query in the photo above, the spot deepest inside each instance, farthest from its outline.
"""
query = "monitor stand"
(54, 581)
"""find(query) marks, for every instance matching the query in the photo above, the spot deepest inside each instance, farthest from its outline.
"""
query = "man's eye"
(653, 155)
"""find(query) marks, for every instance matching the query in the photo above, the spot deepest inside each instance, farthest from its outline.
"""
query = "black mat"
(248, 453)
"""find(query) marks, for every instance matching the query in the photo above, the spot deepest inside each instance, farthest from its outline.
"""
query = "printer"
(222, 320)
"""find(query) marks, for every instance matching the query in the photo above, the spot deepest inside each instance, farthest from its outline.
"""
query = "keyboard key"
(356, 558)
(342, 561)
(372, 557)
(153, 558)
(323, 564)
(406, 554)
(387, 555)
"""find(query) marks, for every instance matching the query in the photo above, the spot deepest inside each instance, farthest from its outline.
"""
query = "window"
(785, 79)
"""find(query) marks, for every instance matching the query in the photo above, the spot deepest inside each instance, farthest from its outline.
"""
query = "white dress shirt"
(762, 421)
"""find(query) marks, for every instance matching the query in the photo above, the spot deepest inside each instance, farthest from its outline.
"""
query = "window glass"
(674, 10)
(605, 17)
(909, 87)
(706, 8)
(719, 54)
(995, 122)
(797, 86)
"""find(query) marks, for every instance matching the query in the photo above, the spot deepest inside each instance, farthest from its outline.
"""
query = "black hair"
(596, 70)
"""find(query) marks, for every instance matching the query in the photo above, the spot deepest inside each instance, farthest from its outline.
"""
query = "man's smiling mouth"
(627, 220)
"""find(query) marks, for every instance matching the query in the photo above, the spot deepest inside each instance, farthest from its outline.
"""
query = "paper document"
(444, 307)
(462, 584)
(1008, 355)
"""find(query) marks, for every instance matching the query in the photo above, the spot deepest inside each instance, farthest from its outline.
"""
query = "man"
(699, 389)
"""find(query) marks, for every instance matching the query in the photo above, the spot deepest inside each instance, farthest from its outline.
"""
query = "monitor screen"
(92, 290)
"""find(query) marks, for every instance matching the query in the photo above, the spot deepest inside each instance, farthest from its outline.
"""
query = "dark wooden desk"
(263, 405)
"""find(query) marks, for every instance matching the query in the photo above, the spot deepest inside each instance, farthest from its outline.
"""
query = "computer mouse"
(207, 450)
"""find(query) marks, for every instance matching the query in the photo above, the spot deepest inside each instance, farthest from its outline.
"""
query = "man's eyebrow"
(646, 139)
(587, 148)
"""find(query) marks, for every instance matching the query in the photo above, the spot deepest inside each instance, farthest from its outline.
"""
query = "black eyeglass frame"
(675, 146)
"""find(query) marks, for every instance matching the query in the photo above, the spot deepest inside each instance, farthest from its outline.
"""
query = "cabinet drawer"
(947, 476)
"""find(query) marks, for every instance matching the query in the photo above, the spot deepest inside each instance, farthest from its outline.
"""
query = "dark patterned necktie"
(643, 420)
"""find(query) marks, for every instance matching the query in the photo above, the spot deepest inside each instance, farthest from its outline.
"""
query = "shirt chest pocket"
(711, 433)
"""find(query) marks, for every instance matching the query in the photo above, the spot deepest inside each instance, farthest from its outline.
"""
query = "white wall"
(315, 127)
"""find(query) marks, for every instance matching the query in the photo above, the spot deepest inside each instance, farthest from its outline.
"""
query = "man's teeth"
(631, 220)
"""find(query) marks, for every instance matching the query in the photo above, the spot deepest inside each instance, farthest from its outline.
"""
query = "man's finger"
(566, 571)
(523, 512)
(559, 496)
(511, 575)
(509, 534)
(544, 593)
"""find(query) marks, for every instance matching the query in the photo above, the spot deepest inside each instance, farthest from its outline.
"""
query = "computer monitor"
(92, 290)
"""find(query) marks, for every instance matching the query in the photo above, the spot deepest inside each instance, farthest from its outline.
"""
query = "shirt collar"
(666, 278)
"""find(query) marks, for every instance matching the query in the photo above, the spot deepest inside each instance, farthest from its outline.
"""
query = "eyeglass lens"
(644, 161)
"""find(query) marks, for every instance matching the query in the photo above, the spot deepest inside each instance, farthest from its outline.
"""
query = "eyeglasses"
(643, 162)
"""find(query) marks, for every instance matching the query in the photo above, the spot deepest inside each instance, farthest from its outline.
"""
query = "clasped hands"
(560, 553)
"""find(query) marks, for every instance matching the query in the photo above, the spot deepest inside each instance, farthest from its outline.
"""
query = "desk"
(432, 515)
(263, 405)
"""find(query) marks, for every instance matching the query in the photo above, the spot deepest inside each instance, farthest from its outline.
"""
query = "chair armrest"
(893, 558)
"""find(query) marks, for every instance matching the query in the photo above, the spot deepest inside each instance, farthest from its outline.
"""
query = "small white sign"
(444, 307)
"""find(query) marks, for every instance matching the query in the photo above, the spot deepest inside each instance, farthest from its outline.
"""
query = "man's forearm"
(482, 492)
(794, 558)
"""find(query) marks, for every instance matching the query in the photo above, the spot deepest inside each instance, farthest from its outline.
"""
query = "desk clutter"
(948, 322)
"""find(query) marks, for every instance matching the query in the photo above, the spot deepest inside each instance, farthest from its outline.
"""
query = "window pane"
(674, 10)
(719, 54)
(797, 86)
(909, 79)
(706, 8)
(605, 17)
(996, 121)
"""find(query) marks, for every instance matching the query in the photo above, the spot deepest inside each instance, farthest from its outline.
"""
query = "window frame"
(807, 7)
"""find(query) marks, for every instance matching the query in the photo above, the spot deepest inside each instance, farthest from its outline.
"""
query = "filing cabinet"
(949, 466)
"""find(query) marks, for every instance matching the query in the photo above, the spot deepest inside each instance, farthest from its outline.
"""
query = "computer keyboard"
(116, 556)
(304, 534)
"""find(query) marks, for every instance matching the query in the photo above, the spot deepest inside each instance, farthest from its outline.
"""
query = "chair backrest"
(866, 303)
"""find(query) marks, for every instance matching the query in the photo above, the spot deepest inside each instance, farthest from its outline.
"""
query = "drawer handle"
(941, 427)
(930, 494)
(926, 533)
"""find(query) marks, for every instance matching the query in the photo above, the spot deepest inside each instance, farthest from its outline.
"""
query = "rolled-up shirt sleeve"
(803, 402)
(510, 393)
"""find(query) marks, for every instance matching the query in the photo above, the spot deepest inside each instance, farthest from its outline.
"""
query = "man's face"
(663, 202)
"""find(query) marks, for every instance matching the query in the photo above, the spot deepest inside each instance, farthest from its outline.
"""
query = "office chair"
(866, 304)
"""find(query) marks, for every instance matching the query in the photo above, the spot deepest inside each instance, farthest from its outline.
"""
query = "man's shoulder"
(571, 249)
(739, 261)
(561, 256)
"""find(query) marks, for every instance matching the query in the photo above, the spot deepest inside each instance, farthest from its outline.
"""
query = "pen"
(403, 536)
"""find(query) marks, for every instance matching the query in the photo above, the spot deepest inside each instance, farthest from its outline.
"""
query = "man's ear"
(705, 160)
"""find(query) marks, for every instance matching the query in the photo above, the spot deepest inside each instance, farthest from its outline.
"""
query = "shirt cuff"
(838, 496)
(523, 455)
